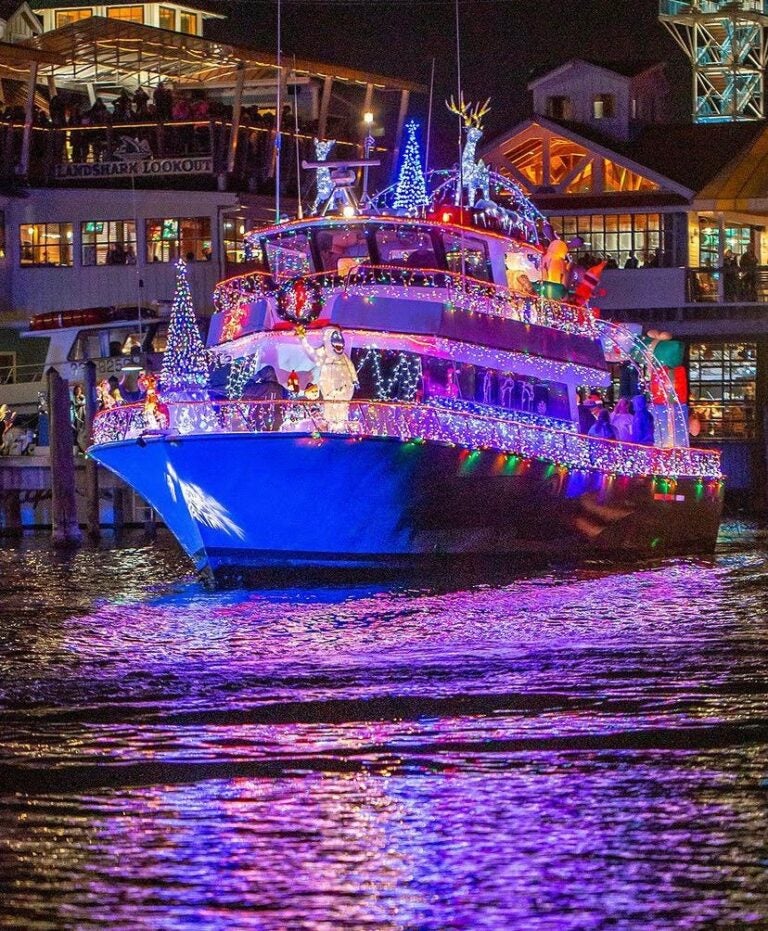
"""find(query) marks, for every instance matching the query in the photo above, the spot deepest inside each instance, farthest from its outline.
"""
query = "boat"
(110, 337)
(419, 400)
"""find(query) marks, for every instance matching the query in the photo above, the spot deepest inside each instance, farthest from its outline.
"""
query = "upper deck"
(398, 274)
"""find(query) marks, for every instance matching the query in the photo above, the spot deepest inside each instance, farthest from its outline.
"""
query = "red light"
(447, 216)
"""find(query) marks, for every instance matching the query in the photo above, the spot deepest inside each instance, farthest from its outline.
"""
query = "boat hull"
(247, 501)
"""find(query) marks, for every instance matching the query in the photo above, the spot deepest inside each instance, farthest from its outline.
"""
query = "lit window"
(290, 255)
(167, 18)
(188, 238)
(130, 14)
(559, 108)
(604, 107)
(405, 246)
(108, 242)
(188, 23)
(45, 244)
(65, 17)
(234, 245)
(722, 386)
(624, 238)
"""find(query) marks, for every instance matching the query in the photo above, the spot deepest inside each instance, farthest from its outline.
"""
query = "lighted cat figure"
(475, 176)
(325, 185)
(334, 375)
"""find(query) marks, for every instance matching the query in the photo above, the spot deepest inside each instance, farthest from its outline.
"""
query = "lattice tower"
(725, 43)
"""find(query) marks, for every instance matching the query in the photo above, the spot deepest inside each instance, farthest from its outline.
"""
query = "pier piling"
(66, 531)
(92, 523)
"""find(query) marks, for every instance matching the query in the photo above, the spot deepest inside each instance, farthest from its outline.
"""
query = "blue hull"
(244, 501)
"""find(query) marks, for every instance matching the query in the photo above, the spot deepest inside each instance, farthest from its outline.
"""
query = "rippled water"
(575, 750)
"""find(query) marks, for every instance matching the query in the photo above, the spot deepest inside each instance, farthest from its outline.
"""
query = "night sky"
(503, 42)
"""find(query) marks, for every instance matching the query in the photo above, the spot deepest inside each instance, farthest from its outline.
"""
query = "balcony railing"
(459, 292)
(408, 423)
(85, 152)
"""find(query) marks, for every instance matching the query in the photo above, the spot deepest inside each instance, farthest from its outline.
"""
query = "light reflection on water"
(582, 749)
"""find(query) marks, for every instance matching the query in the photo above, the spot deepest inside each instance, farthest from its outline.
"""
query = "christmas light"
(423, 422)
(411, 190)
(403, 381)
(185, 362)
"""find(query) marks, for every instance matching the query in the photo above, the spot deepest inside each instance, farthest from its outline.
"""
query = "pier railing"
(407, 423)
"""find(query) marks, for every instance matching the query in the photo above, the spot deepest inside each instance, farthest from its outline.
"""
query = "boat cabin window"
(156, 338)
(405, 246)
(343, 249)
(475, 264)
(289, 256)
(87, 345)
(123, 340)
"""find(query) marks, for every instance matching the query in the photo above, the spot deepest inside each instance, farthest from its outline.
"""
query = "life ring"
(299, 301)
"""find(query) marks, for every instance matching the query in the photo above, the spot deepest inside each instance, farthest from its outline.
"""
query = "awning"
(102, 50)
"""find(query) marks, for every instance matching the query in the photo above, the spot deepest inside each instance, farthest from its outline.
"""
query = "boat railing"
(457, 292)
(407, 422)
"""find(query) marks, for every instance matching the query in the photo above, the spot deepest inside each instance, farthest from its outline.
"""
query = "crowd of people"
(630, 421)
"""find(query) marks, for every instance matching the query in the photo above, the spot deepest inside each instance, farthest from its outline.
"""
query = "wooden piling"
(12, 513)
(118, 509)
(92, 522)
(66, 531)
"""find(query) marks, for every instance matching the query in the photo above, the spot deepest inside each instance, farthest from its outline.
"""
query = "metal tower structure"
(726, 45)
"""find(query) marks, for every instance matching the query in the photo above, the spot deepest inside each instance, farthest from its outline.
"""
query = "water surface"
(569, 750)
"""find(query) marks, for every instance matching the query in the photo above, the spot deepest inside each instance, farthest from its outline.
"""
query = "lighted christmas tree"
(185, 364)
(411, 189)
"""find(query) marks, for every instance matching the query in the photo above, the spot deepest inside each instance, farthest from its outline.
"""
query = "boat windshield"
(406, 246)
(289, 255)
(342, 249)
(475, 263)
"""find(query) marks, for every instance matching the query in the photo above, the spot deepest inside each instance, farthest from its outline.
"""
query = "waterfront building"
(130, 139)
(679, 213)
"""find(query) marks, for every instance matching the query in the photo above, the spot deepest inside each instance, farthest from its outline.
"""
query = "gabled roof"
(207, 8)
(627, 70)
(9, 7)
(689, 155)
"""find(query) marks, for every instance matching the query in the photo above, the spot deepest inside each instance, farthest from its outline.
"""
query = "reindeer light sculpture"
(474, 174)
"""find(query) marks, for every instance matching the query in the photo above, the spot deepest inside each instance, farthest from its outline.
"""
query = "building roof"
(623, 69)
(208, 8)
(103, 50)
(15, 60)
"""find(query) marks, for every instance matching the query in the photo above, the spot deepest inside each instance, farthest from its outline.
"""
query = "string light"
(426, 422)
(185, 361)
(411, 189)
(403, 381)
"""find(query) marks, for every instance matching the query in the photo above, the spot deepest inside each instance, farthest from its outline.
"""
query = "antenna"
(279, 113)
(429, 119)
(296, 137)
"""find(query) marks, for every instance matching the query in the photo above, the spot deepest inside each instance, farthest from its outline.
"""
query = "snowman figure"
(334, 374)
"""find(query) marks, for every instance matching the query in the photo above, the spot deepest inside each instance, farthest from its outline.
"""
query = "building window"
(722, 380)
(559, 108)
(65, 17)
(186, 238)
(737, 238)
(604, 107)
(188, 23)
(130, 14)
(167, 18)
(620, 238)
(234, 244)
(108, 242)
(46, 244)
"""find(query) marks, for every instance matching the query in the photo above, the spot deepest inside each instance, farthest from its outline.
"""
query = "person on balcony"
(730, 276)
(748, 266)
(140, 104)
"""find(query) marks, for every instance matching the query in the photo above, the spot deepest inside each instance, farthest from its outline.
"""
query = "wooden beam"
(237, 108)
(29, 106)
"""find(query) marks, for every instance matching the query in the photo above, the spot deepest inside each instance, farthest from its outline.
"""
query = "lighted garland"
(424, 422)
(403, 379)
(299, 301)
